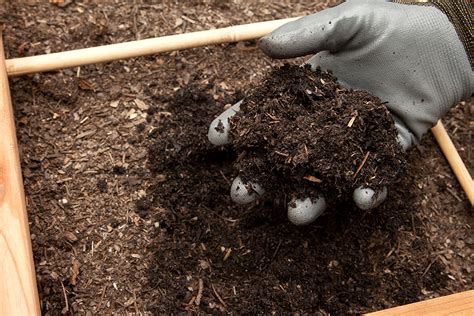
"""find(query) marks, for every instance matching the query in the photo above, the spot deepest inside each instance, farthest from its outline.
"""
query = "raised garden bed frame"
(18, 289)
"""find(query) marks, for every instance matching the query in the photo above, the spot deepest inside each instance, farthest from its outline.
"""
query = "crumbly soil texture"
(129, 206)
(300, 131)
(250, 259)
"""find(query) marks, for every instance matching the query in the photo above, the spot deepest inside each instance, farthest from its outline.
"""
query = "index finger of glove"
(219, 129)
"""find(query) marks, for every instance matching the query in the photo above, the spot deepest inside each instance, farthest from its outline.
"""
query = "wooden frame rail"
(18, 292)
(459, 304)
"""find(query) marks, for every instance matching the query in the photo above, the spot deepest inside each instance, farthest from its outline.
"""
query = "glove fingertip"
(272, 45)
(218, 133)
(245, 192)
(367, 198)
(305, 211)
(219, 129)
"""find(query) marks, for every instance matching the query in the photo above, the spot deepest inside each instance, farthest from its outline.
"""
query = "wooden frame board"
(460, 304)
(18, 292)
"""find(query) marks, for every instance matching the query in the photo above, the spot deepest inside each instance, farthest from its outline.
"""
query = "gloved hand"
(407, 55)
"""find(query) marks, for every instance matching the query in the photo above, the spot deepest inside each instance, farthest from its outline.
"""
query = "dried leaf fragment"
(74, 269)
(179, 22)
(70, 237)
(141, 105)
(312, 179)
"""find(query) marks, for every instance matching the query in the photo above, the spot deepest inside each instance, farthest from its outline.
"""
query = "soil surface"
(129, 205)
(299, 131)
(250, 259)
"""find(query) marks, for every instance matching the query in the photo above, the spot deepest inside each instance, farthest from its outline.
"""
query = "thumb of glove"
(331, 29)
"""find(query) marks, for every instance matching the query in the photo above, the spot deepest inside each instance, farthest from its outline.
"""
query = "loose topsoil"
(250, 259)
(129, 205)
(299, 131)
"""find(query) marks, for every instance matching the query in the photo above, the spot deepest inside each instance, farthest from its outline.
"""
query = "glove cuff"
(459, 12)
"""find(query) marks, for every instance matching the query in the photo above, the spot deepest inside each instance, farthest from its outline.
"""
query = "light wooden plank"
(460, 304)
(106, 53)
(18, 292)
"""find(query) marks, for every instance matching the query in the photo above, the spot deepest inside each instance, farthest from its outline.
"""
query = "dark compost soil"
(300, 131)
(129, 206)
(250, 259)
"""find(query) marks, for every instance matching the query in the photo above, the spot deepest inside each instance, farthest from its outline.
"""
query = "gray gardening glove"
(409, 56)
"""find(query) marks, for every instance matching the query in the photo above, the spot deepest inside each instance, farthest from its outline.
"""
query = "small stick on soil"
(413, 224)
(429, 266)
(223, 176)
(352, 121)
(281, 154)
(218, 296)
(227, 254)
(361, 165)
(454, 194)
(197, 301)
(230, 220)
(390, 252)
(102, 298)
(135, 303)
(276, 250)
(191, 302)
(66, 309)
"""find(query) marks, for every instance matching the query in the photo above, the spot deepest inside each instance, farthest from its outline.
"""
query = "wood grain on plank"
(460, 304)
(18, 292)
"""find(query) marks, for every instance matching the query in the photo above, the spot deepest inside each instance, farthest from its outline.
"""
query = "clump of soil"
(301, 130)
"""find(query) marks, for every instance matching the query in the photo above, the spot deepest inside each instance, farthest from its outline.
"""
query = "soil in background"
(299, 131)
(83, 137)
(213, 255)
